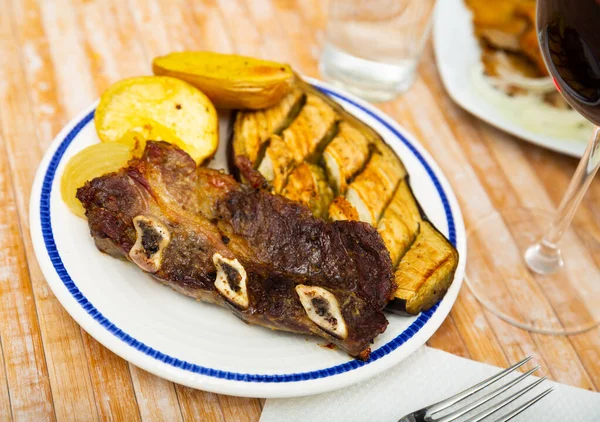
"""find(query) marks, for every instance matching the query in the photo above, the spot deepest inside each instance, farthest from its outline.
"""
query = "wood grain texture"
(59, 55)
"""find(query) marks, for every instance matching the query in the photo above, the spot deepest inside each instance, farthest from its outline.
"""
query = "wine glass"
(534, 269)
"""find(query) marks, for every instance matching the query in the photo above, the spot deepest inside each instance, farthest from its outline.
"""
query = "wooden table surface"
(57, 56)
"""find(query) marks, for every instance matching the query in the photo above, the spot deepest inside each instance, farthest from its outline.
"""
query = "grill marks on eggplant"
(371, 185)
(307, 185)
(425, 271)
(278, 245)
(400, 222)
(303, 140)
(345, 156)
(372, 190)
(252, 129)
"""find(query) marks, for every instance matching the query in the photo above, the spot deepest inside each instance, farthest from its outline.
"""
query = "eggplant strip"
(345, 156)
(425, 272)
(399, 224)
(303, 140)
(252, 129)
(372, 190)
(307, 184)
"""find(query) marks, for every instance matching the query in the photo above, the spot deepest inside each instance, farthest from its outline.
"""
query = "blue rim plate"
(199, 345)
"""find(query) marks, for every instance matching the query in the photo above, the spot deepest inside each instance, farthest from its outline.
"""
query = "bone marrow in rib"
(152, 237)
(231, 280)
(323, 309)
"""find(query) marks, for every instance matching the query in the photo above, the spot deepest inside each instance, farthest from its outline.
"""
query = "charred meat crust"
(278, 243)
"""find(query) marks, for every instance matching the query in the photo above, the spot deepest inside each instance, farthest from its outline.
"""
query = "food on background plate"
(316, 232)
(510, 52)
(262, 256)
(161, 108)
(507, 25)
(513, 76)
(230, 81)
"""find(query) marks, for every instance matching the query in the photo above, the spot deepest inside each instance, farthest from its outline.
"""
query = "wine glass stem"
(544, 257)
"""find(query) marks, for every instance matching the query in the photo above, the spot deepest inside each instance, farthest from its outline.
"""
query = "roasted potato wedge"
(230, 81)
(308, 185)
(252, 128)
(345, 155)
(89, 163)
(160, 108)
(399, 224)
(425, 272)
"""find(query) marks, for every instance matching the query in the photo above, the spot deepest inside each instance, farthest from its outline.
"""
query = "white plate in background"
(458, 56)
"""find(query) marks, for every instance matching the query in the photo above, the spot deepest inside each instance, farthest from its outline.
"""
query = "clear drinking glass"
(372, 47)
(538, 270)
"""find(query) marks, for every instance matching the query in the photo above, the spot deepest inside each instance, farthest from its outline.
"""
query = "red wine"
(569, 34)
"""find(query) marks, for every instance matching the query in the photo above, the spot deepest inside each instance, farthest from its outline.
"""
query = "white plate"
(458, 54)
(201, 345)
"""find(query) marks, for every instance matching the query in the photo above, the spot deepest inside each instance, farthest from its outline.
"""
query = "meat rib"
(262, 256)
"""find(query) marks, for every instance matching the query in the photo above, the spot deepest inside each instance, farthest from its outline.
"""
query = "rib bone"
(152, 238)
(231, 280)
(323, 309)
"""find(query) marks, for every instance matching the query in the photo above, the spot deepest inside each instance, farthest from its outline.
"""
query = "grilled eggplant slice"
(358, 124)
(372, 190)
(345, 156)
(400, 222)
(341, 209)
(252, 129)
(303, 140)
(307, 184)
(425, 272)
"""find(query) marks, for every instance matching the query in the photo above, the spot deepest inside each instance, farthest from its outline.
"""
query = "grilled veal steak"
(262, 256)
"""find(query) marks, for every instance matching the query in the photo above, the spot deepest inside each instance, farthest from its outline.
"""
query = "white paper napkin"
(426, 377)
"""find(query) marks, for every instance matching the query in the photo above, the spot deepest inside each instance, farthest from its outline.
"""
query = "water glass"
(372, 47)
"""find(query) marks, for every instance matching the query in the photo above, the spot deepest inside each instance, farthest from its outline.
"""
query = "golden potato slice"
(230, 81)
(159, 108)
(89, 163)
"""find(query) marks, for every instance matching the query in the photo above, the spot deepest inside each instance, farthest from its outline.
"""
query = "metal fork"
(427, 413)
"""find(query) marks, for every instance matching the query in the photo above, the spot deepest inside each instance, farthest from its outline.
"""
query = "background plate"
(201, 345)
(457, 54)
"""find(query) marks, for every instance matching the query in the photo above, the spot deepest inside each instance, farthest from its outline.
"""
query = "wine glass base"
(548, 299)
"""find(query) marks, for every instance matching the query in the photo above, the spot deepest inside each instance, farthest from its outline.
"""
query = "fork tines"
(428, 413)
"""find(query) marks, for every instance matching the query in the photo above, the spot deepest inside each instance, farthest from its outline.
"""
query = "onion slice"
(89, 163)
